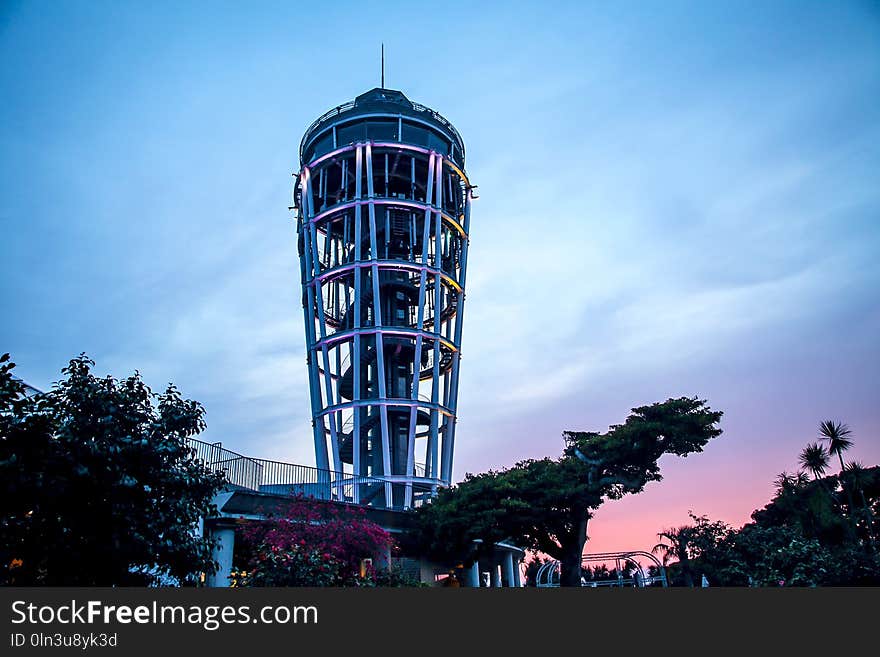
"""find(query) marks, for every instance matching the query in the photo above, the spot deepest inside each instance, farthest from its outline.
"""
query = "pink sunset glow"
(675, 200)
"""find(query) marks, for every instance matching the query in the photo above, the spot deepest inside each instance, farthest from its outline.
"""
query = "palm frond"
(832, 429)
(784, 482)
(814, 458)
(836, 434)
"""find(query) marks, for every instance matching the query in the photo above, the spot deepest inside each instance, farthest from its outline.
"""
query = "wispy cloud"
(674, 200)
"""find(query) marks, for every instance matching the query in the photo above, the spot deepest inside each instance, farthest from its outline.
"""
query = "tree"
(776, 556)
(784, 482)
(693, 545)
(679, 548)
(858, 478)
(545, 505)
(787, 483)
(802, 537)
(805, 535)
(806, 506)
(836, 433)
(97, 483)
(815, 459)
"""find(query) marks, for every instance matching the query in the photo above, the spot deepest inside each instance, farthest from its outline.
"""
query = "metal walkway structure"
(245, 473)
(548, 574)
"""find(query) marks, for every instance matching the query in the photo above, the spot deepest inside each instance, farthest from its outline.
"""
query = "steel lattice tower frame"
(383, 213)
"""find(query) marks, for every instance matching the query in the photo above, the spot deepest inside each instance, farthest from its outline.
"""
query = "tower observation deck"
(383, 212)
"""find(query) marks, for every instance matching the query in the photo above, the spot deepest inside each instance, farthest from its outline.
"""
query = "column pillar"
(472, 575)
(222, 554)
(511, 577)
(496, 576)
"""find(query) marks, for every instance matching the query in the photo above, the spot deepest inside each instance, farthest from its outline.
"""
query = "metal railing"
(345, 107)
(549, 572)
(280, 478)
(339, 109)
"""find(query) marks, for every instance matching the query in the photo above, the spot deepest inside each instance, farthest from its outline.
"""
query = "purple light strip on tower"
(407, 403)
(343, 336)
(402, 265)
(389, 144)
(418, 205)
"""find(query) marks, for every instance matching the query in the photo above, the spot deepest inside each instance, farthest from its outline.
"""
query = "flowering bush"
(296, 566)
(311, 543)
(393, 577)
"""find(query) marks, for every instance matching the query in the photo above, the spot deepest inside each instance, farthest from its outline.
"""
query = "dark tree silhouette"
(545, 505)
(97, 483)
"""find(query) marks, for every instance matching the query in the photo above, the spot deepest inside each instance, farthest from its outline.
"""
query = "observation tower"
(383, 211)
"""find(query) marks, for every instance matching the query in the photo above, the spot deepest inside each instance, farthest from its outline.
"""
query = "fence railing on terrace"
(280, 478)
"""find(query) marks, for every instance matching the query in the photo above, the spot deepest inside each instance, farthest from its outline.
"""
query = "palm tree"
(836, 434)
(856, 474)
(790, 482)
(815, 458)
(680, 540)
(785, 482)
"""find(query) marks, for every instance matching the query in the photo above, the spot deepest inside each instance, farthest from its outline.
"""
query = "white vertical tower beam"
(377, 322)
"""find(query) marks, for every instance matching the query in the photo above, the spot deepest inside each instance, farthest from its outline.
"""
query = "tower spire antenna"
(383, 66)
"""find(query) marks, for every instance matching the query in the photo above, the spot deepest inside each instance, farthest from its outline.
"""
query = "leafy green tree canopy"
(97, 483)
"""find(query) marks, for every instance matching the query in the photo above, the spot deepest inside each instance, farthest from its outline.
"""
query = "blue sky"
(676, 199)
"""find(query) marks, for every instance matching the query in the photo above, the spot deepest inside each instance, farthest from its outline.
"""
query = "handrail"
(549, 572)
(326, 115)
(345, 107)
(280, 477)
